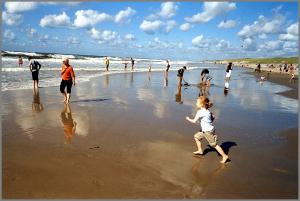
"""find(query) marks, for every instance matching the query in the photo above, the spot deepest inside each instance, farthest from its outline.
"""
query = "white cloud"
(104, 36)
(291, 33)
(17, 7)
(185, 27)
(227, 24)
(200, 42)
(290, 44)
(156, 43)
(223, 45)
(210, 11)
(61, 3)
(263, 36)
(44, 39)
(151, 27)
(249, 44)
(88, 18)
(170, 25)
(73, 40)
(124, 14)
(168, 9)
(11, 19)
(263, 26)
(9, 35)
(129, 37)
(271, 45)
(55, 20)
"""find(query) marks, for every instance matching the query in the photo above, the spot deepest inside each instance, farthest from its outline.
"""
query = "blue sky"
(173, 30)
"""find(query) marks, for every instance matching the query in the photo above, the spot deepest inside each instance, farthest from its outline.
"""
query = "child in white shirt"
(207, 128)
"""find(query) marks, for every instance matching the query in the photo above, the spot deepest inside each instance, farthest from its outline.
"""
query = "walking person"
(106, 62)
(132, 63)
(207, 128)
(34, 67)
(20, 61)
(68, 79)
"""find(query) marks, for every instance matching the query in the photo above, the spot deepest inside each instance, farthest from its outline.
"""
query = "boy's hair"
(203, 101)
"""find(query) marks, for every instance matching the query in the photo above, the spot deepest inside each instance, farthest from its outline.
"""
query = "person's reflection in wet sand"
(106, 83)
(204, 90)
(149, 76)
(131, 78)
(202, 180)
(178, 95)
(226, 88)
(37, 106)
(69, 124)
(166, 79)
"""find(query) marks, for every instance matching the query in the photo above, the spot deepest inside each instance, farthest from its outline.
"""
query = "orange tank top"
(67, 73)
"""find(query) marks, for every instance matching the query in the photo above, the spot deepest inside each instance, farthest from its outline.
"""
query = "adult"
(68, 79)
(34, 67)
(292, 72)
(106, 62)
(228, 71)
(258, 68)
(132, 63)
(205, 78)
(167, 66)
(180, 75)
(20, 61)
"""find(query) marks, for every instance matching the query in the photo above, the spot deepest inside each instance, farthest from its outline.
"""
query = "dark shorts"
(35, 75)
(64, 84)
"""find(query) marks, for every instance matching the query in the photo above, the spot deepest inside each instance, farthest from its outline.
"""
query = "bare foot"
(198, 152)
(224, 159)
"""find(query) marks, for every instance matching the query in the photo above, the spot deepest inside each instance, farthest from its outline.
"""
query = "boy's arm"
(197, 116)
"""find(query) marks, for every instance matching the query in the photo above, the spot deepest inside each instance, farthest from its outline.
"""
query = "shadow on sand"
(225, 146)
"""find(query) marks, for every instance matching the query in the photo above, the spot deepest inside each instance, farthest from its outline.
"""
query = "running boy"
(208, 130)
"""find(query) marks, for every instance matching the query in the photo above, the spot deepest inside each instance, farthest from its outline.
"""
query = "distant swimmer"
(68, 79)
(207, 128)
(228, 71)
(180, 73)
(132, 63)
(34, 67)
(106, 62)
(20, 61)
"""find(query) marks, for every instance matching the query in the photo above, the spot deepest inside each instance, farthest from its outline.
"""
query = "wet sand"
(124, 136)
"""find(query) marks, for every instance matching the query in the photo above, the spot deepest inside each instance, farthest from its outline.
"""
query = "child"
(208, 131)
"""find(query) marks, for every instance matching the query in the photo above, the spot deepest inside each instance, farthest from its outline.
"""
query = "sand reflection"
(69, 125)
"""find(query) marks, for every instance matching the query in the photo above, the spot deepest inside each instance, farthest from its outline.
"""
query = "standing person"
(167, 66)
(208, 130)
(20, 61)
(68, 79)
(180, 75)
(106, 62)
(132, 63)
(228, 71)
(292, 72)
(34, 67)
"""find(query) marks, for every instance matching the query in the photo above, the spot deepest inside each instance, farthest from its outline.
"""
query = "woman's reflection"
(178, 95)
(68, 123)
(166, 79)
(204, 90)
(106, 81)
(37, 106)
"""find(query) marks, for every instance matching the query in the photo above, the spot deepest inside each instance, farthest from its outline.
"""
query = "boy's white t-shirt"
(206, 119)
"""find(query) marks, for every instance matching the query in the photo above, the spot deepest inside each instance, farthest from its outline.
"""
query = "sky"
(158, 30)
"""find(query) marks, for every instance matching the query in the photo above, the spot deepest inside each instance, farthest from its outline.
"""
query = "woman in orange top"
(68, 79)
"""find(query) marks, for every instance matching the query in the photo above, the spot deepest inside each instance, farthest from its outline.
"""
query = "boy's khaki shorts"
(210, 136)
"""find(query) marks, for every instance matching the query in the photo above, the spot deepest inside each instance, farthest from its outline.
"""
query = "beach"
(131, 139)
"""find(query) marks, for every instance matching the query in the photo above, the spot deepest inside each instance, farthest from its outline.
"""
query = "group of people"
(106, 63)
(203, 103)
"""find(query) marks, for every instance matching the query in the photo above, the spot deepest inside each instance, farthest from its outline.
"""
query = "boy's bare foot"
(224, 159)
(198, 152)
